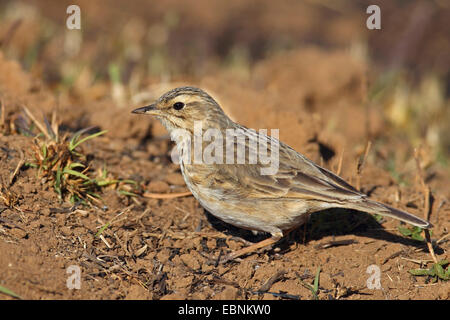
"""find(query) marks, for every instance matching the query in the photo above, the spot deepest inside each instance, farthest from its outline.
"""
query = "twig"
(106, 242)
(114, 219)
(219, 257)
(269, 283)
(37, 123)
(339, 168)
(394, 255)
(439, 207)
(421, 262)
(443, 238)
(429, 245)
(166, 195)
(423, 185)
(361, 163)
(181, 235)
(54, 125)
(335, 243)
(19, 165)
(2, 114)
(279, 294)
(426, 207)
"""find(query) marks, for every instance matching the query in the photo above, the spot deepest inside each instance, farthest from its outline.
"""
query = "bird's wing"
(297, 178)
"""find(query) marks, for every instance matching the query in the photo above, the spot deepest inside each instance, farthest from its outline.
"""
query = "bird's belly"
(254, 214)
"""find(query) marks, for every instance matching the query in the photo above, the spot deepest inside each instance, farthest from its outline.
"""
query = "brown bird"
(238, 190)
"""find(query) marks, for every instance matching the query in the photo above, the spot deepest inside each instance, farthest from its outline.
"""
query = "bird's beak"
(151, 109)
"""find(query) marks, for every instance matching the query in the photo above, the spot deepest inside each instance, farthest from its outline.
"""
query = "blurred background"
(311, 68)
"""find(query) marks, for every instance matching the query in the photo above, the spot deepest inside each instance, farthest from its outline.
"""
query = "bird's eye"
(178, 105)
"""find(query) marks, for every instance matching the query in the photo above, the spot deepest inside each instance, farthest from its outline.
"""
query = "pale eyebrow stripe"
(189, 91)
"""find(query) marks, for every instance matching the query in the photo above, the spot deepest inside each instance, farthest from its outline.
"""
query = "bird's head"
(181, 107)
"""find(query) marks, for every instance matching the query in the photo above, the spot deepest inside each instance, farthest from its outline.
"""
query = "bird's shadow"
(330, 222)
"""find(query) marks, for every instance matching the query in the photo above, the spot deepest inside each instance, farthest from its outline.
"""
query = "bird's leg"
(251, 248)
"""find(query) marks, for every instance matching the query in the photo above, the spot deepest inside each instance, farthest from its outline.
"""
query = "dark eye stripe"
(178, 105)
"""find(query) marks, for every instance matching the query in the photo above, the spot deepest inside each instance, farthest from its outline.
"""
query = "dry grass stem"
(443, 238)
(105, 241)
(166, 195)
(361, 163)
(421, 262)
(339, 168)
(37, 123)
(426, 207)
(19, 165)
(2, 115)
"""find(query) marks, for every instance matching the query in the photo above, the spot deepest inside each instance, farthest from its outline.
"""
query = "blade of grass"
(77, 134)
(100, 231)
(104, 183)
(106, 225)
(44, 151)
(93, 195)
(128, 181)
(73, 144)
(76, 165)
(76, 173)
(32, 165)
(316, 281)
(315, 287)
(58, 182)
(104, 172)
(9, 292)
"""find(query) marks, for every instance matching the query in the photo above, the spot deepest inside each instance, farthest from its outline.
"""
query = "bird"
(240, 193)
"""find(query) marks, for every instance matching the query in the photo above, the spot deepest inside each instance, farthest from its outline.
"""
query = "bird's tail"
(375, 207)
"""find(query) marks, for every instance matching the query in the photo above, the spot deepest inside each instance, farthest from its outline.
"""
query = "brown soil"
(167, 248)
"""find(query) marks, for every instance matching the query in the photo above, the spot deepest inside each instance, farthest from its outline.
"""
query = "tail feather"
(385, 210)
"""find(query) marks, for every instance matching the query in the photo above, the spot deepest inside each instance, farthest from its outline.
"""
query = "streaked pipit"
(240, 194)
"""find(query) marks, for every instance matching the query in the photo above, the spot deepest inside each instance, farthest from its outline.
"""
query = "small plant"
(413, 233)
(315, 287)
(440, 270)
(61, 161)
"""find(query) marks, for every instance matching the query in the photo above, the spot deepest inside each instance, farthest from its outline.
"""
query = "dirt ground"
(306, 68)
